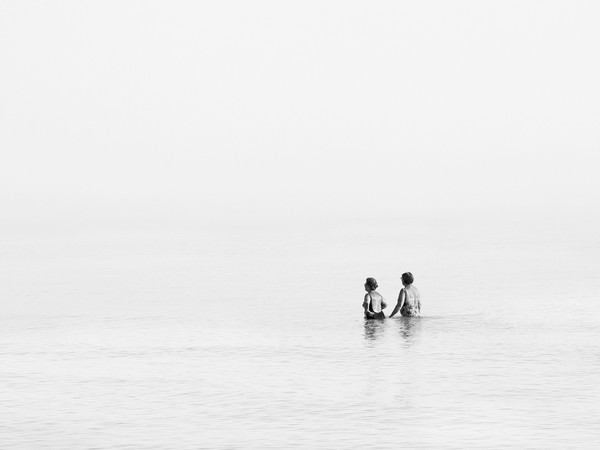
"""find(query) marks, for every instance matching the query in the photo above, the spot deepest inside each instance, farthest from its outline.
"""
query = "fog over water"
(116, 339)
(192, 193)
(235, 110)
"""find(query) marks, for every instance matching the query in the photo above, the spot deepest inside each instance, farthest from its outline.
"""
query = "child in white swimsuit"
(409, 299)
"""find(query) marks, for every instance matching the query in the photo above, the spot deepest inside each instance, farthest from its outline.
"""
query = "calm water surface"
(223, 339)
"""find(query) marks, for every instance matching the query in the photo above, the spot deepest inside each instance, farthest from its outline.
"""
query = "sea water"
(253, 336)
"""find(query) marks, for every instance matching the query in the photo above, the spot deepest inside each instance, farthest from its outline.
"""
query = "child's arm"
(366, 305)
(401, 298)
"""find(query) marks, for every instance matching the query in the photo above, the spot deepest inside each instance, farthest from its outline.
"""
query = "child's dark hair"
(371, 283)
(407, 278)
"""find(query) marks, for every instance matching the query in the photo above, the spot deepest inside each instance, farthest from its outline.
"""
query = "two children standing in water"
(409, 299)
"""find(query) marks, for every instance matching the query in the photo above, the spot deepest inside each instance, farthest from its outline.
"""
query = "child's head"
(407, 278)
(371, 284)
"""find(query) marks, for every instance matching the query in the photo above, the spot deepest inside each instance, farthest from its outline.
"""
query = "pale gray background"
(224, 111)
(192, 194)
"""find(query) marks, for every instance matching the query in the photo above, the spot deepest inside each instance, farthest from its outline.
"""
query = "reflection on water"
(409, 328)
(373, 328)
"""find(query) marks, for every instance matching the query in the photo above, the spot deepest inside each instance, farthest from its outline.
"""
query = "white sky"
(235, 109)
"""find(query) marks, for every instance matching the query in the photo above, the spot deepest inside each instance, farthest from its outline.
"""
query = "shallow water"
(255, 339)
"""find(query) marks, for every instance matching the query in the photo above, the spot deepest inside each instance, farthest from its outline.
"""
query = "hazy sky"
(234, 109)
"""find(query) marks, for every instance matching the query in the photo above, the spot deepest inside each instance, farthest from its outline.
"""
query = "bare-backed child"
(374, 302)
